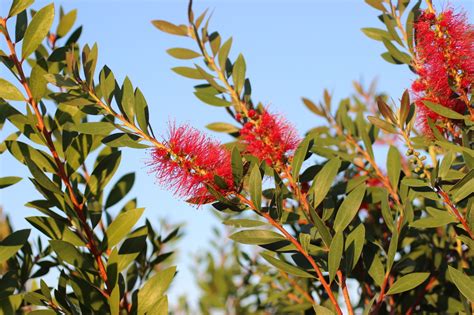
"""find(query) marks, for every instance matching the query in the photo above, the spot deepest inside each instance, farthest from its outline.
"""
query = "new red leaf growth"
(445, 63)
(269, 137)
(189, 163)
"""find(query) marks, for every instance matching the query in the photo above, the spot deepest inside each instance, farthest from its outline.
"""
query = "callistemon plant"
(333, 225)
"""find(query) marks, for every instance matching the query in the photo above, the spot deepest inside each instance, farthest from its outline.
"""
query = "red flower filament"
(189, 162)
(445, 63)
(269, 137)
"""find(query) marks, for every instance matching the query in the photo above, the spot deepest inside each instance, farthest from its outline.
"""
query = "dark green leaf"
(255, 187)
(8, 181)
(256, 237)
(335, 254)
(286, 267)
(348, 209)
(13, 243)
(323, 180)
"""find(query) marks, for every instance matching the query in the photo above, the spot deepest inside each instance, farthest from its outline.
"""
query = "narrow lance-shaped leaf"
(408, 282)
(463, 282)
(255, 187)
(335, 254)
(122, 225)
(12, 243)
(349, 208)
(286, 267)
(10, 92)
(323, 180)
(37, 30)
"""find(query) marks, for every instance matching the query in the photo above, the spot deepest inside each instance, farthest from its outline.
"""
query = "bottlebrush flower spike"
(269, 137)
(189, 162)
(445, 63)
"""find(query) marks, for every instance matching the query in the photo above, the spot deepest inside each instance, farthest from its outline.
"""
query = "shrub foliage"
(324, 216)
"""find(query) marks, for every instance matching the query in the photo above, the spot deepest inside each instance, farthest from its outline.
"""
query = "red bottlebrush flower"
(189, 162)
(444, 49)
(269, 137)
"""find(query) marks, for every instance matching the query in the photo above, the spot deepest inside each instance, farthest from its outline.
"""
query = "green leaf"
(122, 225)
(120, 189)
(286, 267)
(465, 190)
(396, 53)
(183, 53)
(211, 99)
(128, 100)
(323, 180)
(66, 22)
(70, 254)
(41, 177)
(335, 254)
(349, 208)
(60, 81)
(38, 82)
(312, 107)
(238, 73)
(91, 128)
(321, 310)
(9, 92)
(443, 111)
(18, 6)
(408, 282)
(123, 140)
(353, 246)
(244, 223)
(237, 166)
(463, 282)
(141, 110)
(375, 33)
(153, 290)
(256, 237)
(437, 218)
(255, 187)
(37, 30)
(224, 53)
(394, 166)
(187, 72)
(392, 250)
(13, 243)
(169, 28)
(321, 227)
(299, 157)
(385, 126)
(8, 181)
(222, 127)
(56, 229)
(404, 108)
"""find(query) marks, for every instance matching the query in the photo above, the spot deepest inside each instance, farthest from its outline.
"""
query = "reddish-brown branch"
(308, 257)
(78, 207)
(345, 292)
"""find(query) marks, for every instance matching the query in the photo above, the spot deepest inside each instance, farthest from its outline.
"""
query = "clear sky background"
(292, 49)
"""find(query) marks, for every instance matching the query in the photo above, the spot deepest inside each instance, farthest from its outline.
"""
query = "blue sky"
(292, 49)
